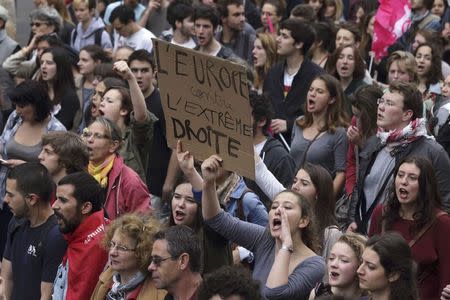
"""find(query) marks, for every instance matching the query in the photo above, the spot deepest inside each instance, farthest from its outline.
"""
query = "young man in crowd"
(400, 116)
(63, 153)
(206, 20)
(142, 65)
(287, 82)
(233, 35)
(130, 33)
(78, 207)
(154, 17)
(179, 16)
(272, 153)
(34, 245)
(176, 262)
(137, 8)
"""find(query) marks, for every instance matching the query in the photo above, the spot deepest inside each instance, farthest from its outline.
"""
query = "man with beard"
(233, 35)
(206, 21)
(34, 245)
(78, 208)
(179, 16)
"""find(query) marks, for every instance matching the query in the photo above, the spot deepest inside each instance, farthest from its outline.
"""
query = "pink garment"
(126, 191)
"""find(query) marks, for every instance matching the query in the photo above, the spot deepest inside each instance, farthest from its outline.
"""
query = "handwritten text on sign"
(205, 101)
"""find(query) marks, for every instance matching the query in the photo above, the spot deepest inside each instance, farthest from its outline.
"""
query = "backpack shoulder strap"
(74, 36)
(98, 36)
(240, 205)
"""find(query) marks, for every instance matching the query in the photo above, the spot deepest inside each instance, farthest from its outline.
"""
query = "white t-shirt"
(141, 39)
(189, 44)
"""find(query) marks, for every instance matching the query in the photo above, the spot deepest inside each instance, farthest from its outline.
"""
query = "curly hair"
(138, 228)
(408, 62)
(434, 74)
(229, 281)
(428, 198)
(355, 241)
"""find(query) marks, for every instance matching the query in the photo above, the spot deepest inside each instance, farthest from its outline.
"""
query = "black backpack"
(443, 136)
(97, 38)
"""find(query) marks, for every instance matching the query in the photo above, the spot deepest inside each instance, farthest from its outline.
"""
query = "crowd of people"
(351, 193)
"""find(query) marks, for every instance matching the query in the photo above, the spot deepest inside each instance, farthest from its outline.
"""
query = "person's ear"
(304, 221)
(407, 115)
(299, 45)
(178, 24)
(332, 100)
(393, 277)
(183, 261)
(114, 146)
(261, 123)
(123, 112)
(32, 199)
(86, 208)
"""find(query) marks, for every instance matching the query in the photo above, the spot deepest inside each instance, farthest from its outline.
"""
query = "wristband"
(287, 248)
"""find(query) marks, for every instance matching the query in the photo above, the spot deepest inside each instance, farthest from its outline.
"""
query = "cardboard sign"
(206, 105)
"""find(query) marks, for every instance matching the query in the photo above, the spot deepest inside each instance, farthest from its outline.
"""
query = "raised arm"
(210, 202)
(266, 181)
(137, 98)
(186, 164)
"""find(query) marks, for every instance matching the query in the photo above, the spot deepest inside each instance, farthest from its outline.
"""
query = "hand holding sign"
(121, 68)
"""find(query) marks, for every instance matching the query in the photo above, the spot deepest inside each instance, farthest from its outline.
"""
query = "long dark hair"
(396, 259)
(428, 199)
(64, 76)
(434, 74)
(323, 206)
(336, 115)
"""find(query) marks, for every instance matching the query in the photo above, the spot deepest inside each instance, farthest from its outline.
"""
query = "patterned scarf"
(225, 189)
(100, 173)
(119, 290)
(402, 137)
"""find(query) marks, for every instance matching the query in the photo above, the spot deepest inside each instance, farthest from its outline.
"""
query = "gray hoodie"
(88, 37)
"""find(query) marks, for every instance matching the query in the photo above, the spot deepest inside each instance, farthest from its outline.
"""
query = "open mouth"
(179, 215)
(420, 68)
(333, 275)
(403, 193)
(276, 224)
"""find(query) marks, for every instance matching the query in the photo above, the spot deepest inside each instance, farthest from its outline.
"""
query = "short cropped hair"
(178, 11)
(182, 239)
(304, 11)
(86, 189)
(33, 178)
(124, 13)
(222, 6)
(261, 110)
(412, 98)
(47, 14)
(73, 153)
(142, 55)
(301, 32)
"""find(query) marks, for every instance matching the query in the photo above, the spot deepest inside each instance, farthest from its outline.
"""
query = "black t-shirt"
(159, 153)
(35, 254)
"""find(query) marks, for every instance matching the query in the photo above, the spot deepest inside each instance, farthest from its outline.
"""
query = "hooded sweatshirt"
(84, 260)
(88, 37)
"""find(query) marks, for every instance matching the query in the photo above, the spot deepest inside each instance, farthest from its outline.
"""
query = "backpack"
(97, 36)
(443, 136)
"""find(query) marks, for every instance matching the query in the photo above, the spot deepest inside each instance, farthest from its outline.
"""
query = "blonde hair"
(269, 45)
(408, 61)
(355, 241)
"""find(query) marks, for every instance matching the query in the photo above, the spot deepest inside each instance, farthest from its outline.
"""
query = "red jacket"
(85, 255)
(126, 191)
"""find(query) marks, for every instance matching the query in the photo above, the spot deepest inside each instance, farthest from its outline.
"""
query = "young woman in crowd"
(429, 70)
(264, 57)
(319, 8)
(363, 128)
(342, 264)
(129, 241)
(285, 260)
(125, 191)
(402, 66)
(21, 140)
(347, 34)
(414, 205)
(56, 73)
(90, 56)
(319, 136)
(367, 36)
(347, 65)
(324, 44)
(387, 269)
(187, 210)
(272, 12)
(334, 11)
(315, 184)
(439, 8)
(127, 109)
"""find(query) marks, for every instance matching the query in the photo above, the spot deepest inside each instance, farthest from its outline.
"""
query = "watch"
(287, 248)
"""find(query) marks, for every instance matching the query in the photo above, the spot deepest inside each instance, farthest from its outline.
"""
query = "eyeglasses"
(87, 134)
(389, 103)
(157, 261)
(119, 247)
(38, 24)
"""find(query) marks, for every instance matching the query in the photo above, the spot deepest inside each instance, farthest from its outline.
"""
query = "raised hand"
(285, 234)
(121, 68)
(185, 159)
(210, 168)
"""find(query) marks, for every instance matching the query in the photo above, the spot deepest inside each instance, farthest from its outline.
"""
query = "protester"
(90, 28)
(176, 262)
(63, 153)
(129, 242)
(319, 137)
(290, 239)
(324, 43)
(179, 16)
(413, 209)
(342, 264)
(78, 208)
(125, 191)
(8, 45)
(272, 12)
(264, 57)
(387, 268)
(287, 82)
(56, 73)
(34, 245)
(402, 66)
(402, 133)
(347, 34)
